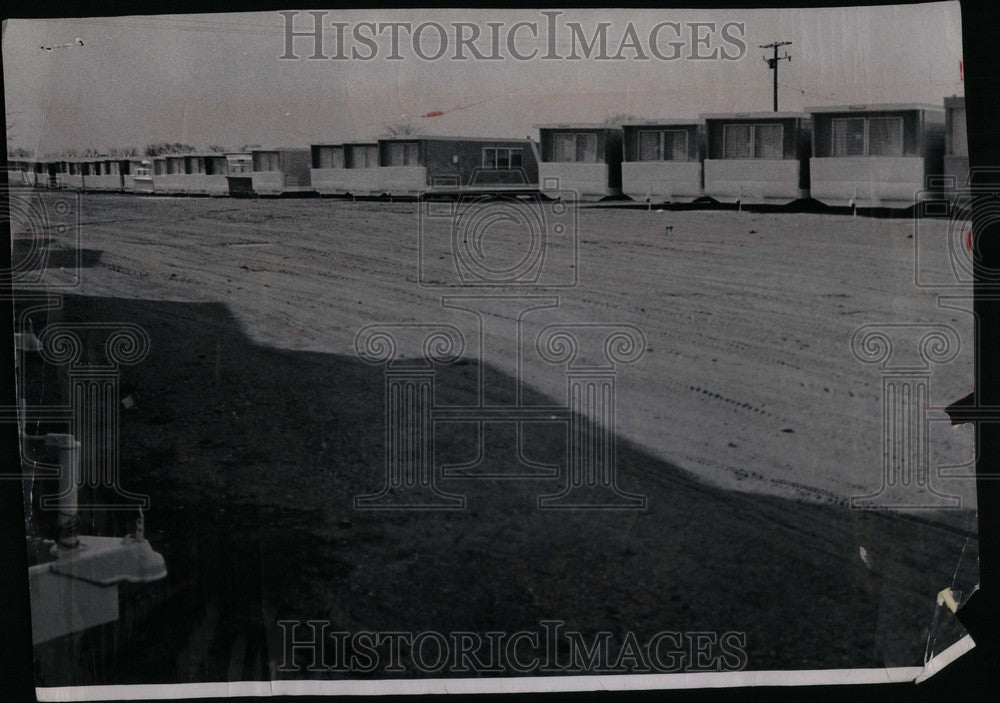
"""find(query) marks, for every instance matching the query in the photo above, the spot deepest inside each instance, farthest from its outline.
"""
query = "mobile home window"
(215, 165)
(868, 136)
(849, 136)
(736, 141)
(175, 166)
(579, 146)
(266, 161)
(767, 141)
(195, 164)
(403, 154)
(757, 141)
(586, 147)
(364, 156)
(885, 136)
(564, 147)
(501, 158)
(159, 167)
(649, 145)
(663, 145)
(329, 157)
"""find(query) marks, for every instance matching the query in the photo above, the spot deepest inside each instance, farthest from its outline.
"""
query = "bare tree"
(248, 147)
(403, 129)
(217, 149)
(168, 148)
(19, 152)
(123, 151)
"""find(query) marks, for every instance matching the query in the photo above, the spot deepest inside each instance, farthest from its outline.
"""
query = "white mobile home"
(346, 169)
(662, 160)
(580, 161)
(274, 171)
(875, 155)
(757, 157)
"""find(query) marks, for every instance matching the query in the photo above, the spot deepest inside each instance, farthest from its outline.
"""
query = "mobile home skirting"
(403, 180)
(347, 181)
(662, 181)
(754, 181)
(575, 180)
(867, 181)
(191, 184)
(105, 182)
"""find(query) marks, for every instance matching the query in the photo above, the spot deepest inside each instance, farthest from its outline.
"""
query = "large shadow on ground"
(252, 456)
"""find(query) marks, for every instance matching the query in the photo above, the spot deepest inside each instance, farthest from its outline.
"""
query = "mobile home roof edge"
(668, 121)
(874, 107)
(277, 148)
(436, 137)
(753, 115)
(198, 154)
(574, 125)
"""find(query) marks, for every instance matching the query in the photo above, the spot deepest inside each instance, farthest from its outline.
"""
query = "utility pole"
(772, 63)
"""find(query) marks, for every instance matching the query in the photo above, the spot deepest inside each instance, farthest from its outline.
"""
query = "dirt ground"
(748, 424)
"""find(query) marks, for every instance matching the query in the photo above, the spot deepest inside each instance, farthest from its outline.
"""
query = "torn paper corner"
(947, 639)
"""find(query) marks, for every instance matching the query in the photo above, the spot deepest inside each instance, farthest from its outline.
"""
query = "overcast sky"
(217, 79)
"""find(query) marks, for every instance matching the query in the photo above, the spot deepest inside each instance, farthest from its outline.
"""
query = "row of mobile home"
(194, 173)
(856, 155)
(261, 172)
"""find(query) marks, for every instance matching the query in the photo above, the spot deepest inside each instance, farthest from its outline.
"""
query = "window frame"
(661, 143)
(900, 120)
(576, 139)
(509, 153)
(752, 126)
(404, 147)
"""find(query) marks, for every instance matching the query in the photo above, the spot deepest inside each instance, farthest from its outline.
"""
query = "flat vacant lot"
(748, 424)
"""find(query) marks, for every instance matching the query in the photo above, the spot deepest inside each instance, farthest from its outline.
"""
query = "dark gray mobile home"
(415, 165)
